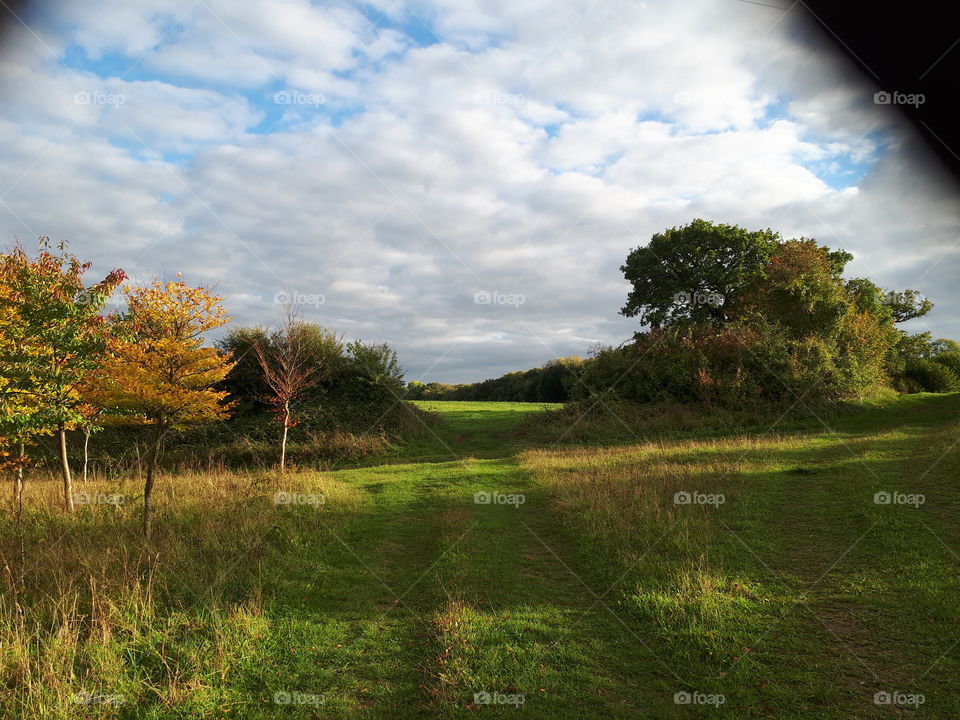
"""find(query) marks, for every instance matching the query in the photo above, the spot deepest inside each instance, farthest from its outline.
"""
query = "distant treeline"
(552, 383)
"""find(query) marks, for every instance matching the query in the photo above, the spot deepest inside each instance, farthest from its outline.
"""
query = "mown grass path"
(428, 598)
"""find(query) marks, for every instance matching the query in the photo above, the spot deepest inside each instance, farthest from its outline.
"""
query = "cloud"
(442, 149)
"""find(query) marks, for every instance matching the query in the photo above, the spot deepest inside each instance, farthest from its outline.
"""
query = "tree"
(899, 306)
(245, 380)
(789, 326)
(91, 413)
(907, 305)
(943, 346)
(416, 390)
(56, 340)
(868, 297)
(694, 272)
(289, 370)
(557, 378)
(20, 416)
(159, 374)
(800, 289)
(379, 363)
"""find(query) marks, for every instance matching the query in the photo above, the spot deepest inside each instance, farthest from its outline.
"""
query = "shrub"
(926, 375)
(950, 360)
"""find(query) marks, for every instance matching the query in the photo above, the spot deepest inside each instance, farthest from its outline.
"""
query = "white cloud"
(525, 153)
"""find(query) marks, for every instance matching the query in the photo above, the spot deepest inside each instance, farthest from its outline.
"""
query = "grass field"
(738, 576)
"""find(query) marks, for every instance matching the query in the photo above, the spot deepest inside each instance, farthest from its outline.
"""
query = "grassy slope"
(400, 597)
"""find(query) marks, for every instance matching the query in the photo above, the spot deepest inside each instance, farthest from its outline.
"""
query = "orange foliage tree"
(159, 373)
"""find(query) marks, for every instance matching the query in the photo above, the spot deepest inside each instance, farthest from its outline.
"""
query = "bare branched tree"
(289, 371)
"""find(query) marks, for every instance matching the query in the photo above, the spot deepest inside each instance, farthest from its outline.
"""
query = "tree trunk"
(283, 439)
(18, 479)
(65, 470)
(18, 497)
(86, 453)
(148, 484)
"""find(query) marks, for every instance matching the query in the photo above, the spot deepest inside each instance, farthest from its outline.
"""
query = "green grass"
(471, 429)
(400, 596)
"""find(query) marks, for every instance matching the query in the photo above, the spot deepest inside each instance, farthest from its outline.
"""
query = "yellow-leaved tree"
(159, 374)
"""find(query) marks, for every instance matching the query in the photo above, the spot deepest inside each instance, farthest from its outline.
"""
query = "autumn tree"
(54, 338)
(800, 289)
(20, 418)
(289, 370)
(159, 373)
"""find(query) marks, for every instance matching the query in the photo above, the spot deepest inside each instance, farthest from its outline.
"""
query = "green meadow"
(808, 572)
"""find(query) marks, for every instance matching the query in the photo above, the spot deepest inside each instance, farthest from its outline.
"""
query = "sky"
(459, 178)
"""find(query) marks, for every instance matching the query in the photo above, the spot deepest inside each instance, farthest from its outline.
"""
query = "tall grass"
(238, 444)
(624, 495)
(700, 593)
(94, 619)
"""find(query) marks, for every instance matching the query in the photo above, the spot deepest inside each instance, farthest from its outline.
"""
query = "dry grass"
(625, 494)
(88, 590)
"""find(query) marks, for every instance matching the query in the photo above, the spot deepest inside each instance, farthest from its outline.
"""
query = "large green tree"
(739, 317)
(691, 273)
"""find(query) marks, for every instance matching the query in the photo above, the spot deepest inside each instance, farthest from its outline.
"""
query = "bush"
(950, 360)
(737, 366)
(926, 375)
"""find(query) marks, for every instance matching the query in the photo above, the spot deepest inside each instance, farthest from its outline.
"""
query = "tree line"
(550, 383)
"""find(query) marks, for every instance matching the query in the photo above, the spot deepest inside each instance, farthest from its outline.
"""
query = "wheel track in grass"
(445, 558)
(518, 619)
